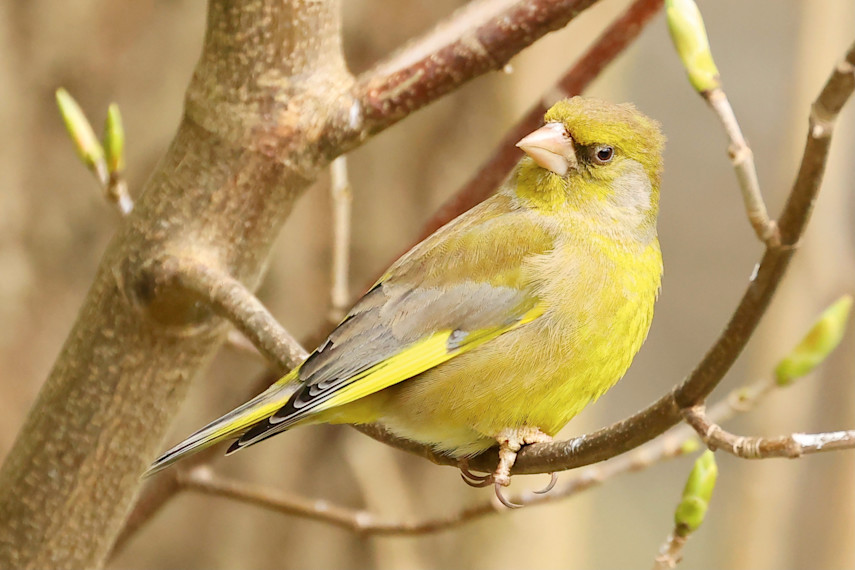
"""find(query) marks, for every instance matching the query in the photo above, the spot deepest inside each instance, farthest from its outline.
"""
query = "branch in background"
(342, 199)
(202, 480)
(611, 43)
(792, 446)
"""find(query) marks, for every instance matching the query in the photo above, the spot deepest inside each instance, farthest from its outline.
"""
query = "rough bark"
(246, 148)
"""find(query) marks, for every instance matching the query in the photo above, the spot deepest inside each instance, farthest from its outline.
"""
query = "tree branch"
(230, 299)
(202, 480)
(742, 159)
(243, 152)
(479, 38)
(791, 446)
(195, 475)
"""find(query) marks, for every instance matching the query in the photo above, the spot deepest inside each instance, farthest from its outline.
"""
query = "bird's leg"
(510, 442)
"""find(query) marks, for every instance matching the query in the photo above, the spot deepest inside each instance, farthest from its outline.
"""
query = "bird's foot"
(510, 442)
(472, 479)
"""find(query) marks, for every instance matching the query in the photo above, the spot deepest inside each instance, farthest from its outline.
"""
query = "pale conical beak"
(551, 148)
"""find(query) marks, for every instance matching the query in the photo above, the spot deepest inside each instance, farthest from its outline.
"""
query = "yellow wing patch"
(417, 358)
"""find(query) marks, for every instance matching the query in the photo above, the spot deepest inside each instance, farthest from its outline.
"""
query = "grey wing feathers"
(385, 321)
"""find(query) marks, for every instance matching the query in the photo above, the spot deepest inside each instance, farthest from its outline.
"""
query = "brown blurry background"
(774, 56)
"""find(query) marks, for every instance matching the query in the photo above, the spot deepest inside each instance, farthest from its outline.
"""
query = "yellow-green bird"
(506, 322)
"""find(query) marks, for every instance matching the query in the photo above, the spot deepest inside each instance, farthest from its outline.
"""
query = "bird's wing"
(456, 290)
(461, 287)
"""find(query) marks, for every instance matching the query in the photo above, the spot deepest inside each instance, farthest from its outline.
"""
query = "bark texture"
(247, 146)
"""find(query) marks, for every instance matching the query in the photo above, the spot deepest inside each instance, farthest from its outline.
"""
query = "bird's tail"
(232, 424)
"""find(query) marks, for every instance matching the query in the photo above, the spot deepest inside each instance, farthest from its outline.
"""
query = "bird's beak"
(551, 147)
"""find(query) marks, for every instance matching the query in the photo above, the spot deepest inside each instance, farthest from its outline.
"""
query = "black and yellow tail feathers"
(232, 424)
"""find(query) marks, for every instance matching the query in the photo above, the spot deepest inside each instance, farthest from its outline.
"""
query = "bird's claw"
(552, 481)
(502, 499)
(475, 480)
(472, 479)
(510, 441)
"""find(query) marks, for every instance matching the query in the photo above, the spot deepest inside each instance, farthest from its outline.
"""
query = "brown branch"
(665, 412)
(477, 39)
(791, 446)
(220, 193)
(230, 299)
(199, 478)
(202, 480)
(611, 43)
(742, 159)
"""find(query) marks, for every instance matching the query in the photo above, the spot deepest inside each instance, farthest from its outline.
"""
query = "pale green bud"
(82, 135)
(693, 507)
(690, 40)
(823, 337)
(114, 140)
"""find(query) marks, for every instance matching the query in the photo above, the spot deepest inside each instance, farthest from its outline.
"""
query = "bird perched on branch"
(506, 322)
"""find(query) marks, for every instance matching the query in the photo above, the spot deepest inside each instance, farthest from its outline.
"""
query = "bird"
(505, 323)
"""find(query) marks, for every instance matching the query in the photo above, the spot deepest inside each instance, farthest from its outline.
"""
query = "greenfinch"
(504, 324)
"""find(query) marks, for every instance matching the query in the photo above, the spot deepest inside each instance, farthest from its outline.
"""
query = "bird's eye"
(604, 154)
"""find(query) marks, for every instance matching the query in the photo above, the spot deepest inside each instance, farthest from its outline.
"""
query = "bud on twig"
(114, 140)
(696, 495)
(85, 142)
(817, 344)
(690, 40)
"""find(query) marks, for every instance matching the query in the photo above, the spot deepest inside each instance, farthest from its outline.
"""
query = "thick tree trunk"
(270, 77)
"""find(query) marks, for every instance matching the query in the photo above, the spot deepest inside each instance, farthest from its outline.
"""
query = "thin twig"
(673, 444)
(116, 190)
(203, 480)
(239, 343)
(670, 553)
(611, 43)
(342, 197)
(230, 298)
(792, 446)
(742, 158)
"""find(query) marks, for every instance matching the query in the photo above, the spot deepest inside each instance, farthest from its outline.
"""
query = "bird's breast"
(599, 308)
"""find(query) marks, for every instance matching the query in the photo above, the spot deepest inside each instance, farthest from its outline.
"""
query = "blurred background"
(774, 56)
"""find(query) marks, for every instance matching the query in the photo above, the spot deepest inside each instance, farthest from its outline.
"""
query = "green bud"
(82, 135)
(823, 337)
(114, 140)
(696, 495)
(690, 40)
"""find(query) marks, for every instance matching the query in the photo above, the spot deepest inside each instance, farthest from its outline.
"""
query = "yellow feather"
(416, 359)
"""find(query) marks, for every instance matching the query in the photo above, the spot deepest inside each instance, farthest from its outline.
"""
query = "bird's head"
(597, 158)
